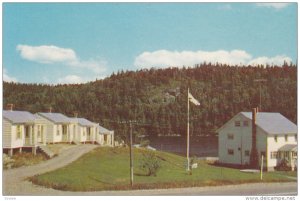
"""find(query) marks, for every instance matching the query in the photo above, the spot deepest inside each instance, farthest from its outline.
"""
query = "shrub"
(150, 163)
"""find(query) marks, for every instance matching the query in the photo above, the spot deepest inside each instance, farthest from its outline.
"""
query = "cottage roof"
(84, 122)
(103, 130)
(56, 117)
(18, 116)
(273, 123)
(289, 147)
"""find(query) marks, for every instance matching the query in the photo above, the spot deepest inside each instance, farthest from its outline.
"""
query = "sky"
(61, 43)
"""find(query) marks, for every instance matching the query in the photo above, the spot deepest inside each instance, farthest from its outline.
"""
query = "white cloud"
(8, 78)
(165, 58)
(46, 54)
(70, 79)
(52, 54)
(277, 6)
(277, 60)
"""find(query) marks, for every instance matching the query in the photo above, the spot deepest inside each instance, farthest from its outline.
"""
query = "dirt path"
(13, 180)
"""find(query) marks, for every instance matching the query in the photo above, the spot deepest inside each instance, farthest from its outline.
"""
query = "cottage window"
(42, 129)
(274, 155)
(19, 131)
(230, 136)
(230, 152)
(294, 154)
(64, 129)
(39, 131)
(286, 138)
(57, 130)
(237, 123)
(246, 123)
(247, 153)
(275, 138)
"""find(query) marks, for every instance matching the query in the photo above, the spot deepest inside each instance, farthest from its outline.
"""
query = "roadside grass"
(108, 169)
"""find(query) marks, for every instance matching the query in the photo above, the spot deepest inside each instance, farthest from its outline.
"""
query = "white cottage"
(250, 135)
(85, 130)
(104, 136)
(21, 129)
(59, 128)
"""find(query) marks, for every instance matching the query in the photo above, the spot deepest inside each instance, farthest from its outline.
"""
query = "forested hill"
(158, 97)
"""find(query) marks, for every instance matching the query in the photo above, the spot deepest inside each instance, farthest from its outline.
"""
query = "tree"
(150, 163)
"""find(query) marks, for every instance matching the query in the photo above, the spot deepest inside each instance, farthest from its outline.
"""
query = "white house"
(104, 136)
(85, 130)
(21, 129)
(59, 128)
(250, 135)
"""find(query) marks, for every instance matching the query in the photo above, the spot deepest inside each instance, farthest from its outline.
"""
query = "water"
(199, 146)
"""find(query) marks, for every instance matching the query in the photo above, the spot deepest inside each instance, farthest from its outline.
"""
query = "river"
(199, 146)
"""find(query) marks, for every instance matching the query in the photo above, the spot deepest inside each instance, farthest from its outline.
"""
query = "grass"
(108, 169)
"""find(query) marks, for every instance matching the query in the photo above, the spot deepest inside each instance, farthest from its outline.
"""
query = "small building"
(104, 136)
(59, 128)
(250, 135)
(85, 130)
(21, 130)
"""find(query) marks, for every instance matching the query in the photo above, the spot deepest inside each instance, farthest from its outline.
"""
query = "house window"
(294, 154)
(286, 138)
(275, 138)
(230, 152)
(64, 129)
(39, 131)
(274, 155)
(42, 129)
(230, 136)
(247, 153)
(57, 130)
(19, 131)
(246, 123)
(237, 123)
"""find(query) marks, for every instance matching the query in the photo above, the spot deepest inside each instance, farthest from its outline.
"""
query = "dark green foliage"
(150, 163)
(158, 97)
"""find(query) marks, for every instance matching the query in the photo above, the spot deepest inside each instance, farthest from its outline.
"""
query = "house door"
(27, 135)
(64, 133)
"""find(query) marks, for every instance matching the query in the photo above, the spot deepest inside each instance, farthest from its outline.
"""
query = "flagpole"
(188, 133)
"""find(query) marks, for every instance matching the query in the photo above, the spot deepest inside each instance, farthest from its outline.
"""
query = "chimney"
(50, 109)
(10, 106)
(254, 154)
(75, 114)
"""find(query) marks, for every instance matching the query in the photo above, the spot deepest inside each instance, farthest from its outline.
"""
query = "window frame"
(230, 152)
(237, 123)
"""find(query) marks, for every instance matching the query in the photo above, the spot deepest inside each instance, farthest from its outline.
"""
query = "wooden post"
(261, 167)
(188, 133)
(131, 157)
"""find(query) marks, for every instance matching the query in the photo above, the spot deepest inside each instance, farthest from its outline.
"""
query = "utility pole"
(260, 81)
(131, 156)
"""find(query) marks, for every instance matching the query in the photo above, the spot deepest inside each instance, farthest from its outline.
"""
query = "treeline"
(157, 98)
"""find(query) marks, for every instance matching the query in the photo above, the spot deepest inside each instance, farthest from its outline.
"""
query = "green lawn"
(108, 169)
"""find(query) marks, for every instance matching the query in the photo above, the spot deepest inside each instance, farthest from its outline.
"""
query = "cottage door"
(27, 135)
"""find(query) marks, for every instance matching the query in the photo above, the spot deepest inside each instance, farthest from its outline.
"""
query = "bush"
(150, 163)
(283, 166)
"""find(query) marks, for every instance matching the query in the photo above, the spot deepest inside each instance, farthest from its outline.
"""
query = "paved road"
(14, 183)
(13, 179)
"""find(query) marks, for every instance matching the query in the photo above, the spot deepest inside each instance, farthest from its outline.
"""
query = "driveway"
(13, 179)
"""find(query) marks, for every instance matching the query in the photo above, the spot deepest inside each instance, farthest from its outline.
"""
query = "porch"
(288, 154)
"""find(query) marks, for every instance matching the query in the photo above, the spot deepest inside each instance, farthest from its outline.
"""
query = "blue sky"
(79, 42)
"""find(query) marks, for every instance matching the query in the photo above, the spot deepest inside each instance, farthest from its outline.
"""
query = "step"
(47, 151)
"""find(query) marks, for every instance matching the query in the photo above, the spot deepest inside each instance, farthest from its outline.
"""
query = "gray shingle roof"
(103, 130)
(17, 117)
(273, 123)
(84, 122)
(289, 147)
(56, 117)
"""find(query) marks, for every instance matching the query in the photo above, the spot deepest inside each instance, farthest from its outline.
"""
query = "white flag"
(192, 99)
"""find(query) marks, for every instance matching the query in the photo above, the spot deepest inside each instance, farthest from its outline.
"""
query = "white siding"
(17, 142)
(239, 144)
(273, 146)
(7, 135)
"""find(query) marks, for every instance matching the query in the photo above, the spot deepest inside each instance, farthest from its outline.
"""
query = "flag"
(192, 99)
